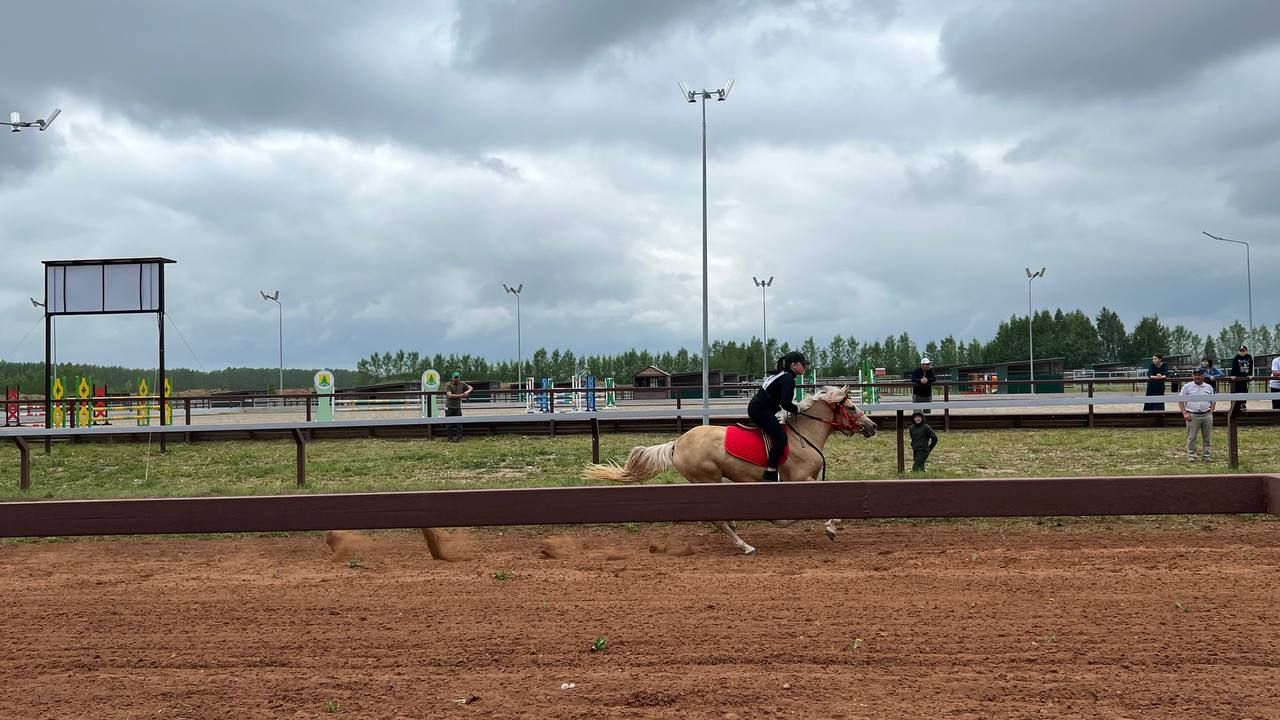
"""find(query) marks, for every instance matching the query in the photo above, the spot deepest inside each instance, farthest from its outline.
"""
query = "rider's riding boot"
(770, 475)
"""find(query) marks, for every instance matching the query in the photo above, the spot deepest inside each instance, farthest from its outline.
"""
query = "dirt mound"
(674, 547)
(448, 545)
(346, 544)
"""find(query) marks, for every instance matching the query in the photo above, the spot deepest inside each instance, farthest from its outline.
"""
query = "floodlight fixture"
(16, 123)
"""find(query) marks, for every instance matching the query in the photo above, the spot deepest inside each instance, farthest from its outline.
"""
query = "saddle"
(747, 442)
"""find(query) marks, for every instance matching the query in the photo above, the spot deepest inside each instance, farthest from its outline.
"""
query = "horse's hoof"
(749, 551)
(831, 535)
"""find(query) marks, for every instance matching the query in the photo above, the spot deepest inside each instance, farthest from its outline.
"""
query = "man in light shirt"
(1274, 384)
(1197, 412)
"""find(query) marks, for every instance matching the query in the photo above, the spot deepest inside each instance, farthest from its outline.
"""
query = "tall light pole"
(764, 312)
(54, 340)
(693, 96)
(280, 312)
(1031, 316)
(519, 352)
(1248, 278)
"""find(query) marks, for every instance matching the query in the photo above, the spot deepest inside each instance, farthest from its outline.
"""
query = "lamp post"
(764, 312)
(519, 352)
(1031, 316)
(53, 336)
(1248, 279)
(693, 96)
(280, 312)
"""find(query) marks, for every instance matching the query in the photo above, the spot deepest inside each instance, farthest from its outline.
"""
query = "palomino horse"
(699, 454)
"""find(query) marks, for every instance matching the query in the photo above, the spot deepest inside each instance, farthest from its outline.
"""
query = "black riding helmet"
(792, 357)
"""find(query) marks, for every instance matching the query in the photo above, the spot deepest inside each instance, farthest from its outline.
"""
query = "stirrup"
(770, 476)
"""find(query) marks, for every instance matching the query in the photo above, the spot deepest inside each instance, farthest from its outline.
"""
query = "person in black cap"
(776, 394)
(453, 394)
(923, 438)
(1241, 371)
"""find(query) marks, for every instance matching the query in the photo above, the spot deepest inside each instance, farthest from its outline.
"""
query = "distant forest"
(1073, 335)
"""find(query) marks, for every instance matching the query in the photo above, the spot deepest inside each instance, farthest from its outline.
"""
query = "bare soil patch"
(1080, 620)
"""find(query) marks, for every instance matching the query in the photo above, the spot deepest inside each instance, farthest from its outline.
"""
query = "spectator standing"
(1211, 372)
(1197, 412)
(923, 439)
(922, 380)
(454, 392)
(1156, 375)
(1274, 384)
(1241, 371)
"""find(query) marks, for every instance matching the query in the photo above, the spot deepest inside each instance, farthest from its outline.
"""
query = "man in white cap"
(922, 380)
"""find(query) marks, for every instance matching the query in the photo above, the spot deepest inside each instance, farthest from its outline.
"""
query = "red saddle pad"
(749, 445)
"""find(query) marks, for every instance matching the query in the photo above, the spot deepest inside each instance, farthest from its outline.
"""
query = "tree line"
(1075, 336)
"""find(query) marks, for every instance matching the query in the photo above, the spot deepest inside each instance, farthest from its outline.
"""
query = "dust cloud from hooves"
(346, 545)
(447, 545)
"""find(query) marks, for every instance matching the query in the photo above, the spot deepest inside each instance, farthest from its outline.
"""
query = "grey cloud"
(530, 37)
(534, 35)
(1252, 189)
(956, 177)
(1099, 48)
(1038, 147)
(499, 166)
(178, 65)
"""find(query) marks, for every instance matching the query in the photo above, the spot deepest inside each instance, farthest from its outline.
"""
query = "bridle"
(841, 419)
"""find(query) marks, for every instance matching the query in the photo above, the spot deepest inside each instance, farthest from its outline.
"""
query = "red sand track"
(1089, 620)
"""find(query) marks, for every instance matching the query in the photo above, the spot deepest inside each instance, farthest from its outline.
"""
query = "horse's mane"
(829, 393)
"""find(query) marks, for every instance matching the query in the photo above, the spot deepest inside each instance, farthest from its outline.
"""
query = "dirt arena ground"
(1084, 619)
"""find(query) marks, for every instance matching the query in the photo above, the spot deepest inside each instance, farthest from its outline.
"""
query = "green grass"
(105, 470)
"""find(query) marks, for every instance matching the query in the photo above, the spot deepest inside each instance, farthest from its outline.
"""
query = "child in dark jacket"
(923, 438)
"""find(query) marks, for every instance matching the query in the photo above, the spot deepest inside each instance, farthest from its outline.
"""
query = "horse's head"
(845, 415)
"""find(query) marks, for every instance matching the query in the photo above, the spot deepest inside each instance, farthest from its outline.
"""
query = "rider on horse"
(776, 394)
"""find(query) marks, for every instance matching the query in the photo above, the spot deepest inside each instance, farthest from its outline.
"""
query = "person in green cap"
(454, 391)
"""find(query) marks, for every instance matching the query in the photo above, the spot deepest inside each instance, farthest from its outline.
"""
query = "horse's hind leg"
(724, 528)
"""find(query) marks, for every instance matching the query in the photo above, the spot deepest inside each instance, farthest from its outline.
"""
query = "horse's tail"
(642, 464)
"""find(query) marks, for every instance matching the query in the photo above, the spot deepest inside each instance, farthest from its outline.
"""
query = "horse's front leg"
(737, 541)
(831, 525)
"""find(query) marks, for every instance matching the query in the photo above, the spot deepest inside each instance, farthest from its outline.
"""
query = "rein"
(810, 444)
(839, 411)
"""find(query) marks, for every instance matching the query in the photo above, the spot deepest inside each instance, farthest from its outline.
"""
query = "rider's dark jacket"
(776, 394)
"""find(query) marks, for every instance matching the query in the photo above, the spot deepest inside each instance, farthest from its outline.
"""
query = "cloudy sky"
(388, 165)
